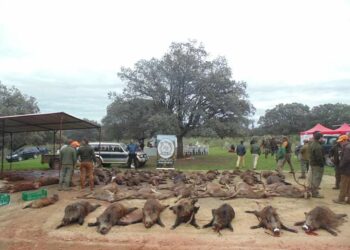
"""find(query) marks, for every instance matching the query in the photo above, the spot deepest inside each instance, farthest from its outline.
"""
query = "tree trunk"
(180, 146)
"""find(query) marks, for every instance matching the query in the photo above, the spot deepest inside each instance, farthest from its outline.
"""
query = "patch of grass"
(30, 164)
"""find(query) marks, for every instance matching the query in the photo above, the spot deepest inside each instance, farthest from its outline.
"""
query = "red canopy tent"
(343, 129)
(322, 129)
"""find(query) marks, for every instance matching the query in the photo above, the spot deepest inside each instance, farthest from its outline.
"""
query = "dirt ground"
(35, 229)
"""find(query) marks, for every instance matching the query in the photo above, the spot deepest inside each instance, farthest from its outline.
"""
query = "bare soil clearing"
(35, 228)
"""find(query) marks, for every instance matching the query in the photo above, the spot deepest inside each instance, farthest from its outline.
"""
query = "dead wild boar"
(131, 218)
(269, 219)
(119, 179)
(24, 186)
(110, 217)
(276, 179)
(151, 213)
(321, 217)
(76, 213)
(180, 178)
(283, 190)
(43, 202)
(185, 212)
(213, 190)
(244, 190)
(225, 179)
(222, 218)
(45, 181)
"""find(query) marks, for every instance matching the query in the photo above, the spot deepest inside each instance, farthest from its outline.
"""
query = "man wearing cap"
(344, 168)
(304, 159)
(317, 162)
(68, 159)
(334, 155)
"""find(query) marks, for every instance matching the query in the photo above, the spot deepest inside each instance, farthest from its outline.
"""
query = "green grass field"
(218, 158)
(29, 164)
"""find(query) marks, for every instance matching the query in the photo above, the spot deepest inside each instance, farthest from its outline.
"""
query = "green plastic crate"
(34, 195)
(4, 199)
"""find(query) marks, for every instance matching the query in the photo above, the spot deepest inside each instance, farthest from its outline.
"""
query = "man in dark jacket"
(344, 168)
(334, 154)
(240, 150)
(87, 157)
(255, 151)
(317, 163)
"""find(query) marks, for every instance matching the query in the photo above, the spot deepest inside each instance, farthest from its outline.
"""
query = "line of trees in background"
(185, 93)
(293, 118)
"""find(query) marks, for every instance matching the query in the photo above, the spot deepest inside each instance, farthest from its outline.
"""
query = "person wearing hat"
(334, 155)
(344, 168)
(317, 162)
(68, 159)
(304, 159)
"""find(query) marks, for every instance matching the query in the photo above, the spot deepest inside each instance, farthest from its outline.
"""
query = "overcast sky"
(67, 53)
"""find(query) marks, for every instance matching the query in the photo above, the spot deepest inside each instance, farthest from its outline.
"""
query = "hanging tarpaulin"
(166, 151)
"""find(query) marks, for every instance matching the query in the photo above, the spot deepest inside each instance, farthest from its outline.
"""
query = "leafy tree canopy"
(189, 88)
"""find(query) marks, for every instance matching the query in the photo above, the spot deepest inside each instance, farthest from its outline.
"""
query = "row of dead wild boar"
(185, 210)
(166, 184)
(157, 185)
(133, 184)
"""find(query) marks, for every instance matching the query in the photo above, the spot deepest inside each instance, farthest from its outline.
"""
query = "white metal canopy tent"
(41, 122)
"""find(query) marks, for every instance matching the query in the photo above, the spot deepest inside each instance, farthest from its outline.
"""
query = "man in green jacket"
(304, 159)
(280, 157)
(255, 151)
(317, 162)
(68, 159)
(344, 168)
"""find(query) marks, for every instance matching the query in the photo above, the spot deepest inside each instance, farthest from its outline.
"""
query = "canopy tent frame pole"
(99, 141)
(2, 148)
(59, 165)
(11, 147)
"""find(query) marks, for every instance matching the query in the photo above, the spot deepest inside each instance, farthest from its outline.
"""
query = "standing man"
(317, 163)
(142, 143)
(287, 157)
(344, 167)
(68, 159)
(87, 159)
(255, 151)
(280, 157)
(334, 154)
(304, 159)
(132, 149)
(241, 154)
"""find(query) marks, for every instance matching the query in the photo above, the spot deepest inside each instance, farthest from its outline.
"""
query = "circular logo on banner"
(166, 148)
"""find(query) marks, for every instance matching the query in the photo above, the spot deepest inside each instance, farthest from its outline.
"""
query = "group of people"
(312, 160)
(241, 152)
(69, 156)
(82, 154)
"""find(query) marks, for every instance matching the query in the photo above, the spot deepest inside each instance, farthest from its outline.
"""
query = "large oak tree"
(187, 84)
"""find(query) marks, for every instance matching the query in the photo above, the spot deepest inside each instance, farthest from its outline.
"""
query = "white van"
(115, 153)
